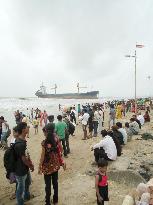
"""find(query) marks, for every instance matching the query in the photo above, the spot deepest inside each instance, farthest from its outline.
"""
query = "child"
(101, 184)
(35, 125)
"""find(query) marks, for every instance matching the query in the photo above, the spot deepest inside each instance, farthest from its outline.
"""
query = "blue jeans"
(20, 189)
(95, 127)
(4, 136)
(27, 185)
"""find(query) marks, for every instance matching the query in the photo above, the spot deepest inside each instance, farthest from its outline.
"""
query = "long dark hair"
(50, 137)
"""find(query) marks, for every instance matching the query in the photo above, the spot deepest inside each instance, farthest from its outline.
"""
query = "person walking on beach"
(85, 118)
(35, 123)
(101, 182)
(95, 121)
(112, 115)
(73, 115)
(51, 120)
(90, 122)
(45, 115)
(60, 129)
(100, 122)
(17, 117)
(50, 163)
(5, 132)
(67, 132)
(23, 162)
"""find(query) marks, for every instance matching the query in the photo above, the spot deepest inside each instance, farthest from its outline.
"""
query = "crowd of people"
(56, 145)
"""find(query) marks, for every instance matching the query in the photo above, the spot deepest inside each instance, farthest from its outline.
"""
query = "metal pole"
(135, 82)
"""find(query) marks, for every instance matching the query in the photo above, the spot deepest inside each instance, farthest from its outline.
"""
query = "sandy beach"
(76, 184)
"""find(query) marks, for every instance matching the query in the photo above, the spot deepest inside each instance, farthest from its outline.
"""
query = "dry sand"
(76, 187)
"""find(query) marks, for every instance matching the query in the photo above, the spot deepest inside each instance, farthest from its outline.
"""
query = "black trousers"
(67, 143)
(64, 146)
(54, 178)
(100, 153)
(73, 119)
(100, 203)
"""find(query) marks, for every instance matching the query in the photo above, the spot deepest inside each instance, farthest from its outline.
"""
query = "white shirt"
(4, 127)
(12, 141)
(109, 146)
(74, 111)
(123, 131)
(141, 119)
(85, 118)
(100, 114)
(96, 116)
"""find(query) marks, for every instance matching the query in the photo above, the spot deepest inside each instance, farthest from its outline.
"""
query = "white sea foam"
(9, 105)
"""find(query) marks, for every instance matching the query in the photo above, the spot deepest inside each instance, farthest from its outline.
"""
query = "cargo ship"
(87, 95)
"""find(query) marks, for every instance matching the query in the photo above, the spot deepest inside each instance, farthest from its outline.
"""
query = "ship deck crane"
(54, 88)
(78, 86)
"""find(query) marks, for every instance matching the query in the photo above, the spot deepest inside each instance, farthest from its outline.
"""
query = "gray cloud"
(66, 42)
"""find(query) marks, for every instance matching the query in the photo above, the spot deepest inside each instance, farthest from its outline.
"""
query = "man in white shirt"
(106, 148)
(123, 131)
(141, 118)
(133, 126)
(95, 121)
(85, 118)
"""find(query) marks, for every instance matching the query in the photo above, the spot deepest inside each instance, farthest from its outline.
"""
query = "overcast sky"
(70, 41)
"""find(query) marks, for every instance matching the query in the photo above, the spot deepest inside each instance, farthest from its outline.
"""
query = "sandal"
(13, 196)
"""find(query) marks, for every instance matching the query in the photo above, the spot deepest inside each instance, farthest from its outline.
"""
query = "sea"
(8, 106)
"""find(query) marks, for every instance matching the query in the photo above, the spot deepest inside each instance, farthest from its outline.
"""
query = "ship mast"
(78, 86)
(54, 88)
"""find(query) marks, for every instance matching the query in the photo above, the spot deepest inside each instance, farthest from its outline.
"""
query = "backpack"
(71, 128)
(72, 114)
(10, 159)
(51, 161)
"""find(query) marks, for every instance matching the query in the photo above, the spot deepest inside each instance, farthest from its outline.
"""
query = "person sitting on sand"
(118, 134)
(150, 190)
(146, 117)
(106, 148)
(145, 199)
(123, 131)
(133, 126)
(116, 141)
(128, 131)
(138, 121)
(141, 118)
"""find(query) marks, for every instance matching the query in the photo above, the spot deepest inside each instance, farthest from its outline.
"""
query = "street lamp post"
(135, 78)
(149, 77)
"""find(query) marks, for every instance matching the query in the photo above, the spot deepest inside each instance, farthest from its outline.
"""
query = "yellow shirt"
(35, 122)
